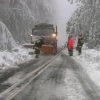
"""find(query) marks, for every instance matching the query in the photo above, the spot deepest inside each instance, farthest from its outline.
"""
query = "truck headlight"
(31, 35)
(54, 35)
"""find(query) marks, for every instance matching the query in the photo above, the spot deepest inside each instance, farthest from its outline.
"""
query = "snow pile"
(18, 55)
(90, 61)
(91, 56)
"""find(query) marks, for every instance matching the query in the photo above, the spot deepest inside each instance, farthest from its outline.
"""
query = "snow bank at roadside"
(90, 61)
(12, 59)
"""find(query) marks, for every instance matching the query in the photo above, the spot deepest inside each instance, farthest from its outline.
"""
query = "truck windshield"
(42, 31)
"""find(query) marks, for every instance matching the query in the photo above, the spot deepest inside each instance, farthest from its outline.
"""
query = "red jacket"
(70, 43)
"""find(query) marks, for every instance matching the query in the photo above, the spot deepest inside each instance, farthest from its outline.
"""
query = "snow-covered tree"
(43, 10)
(6, 40)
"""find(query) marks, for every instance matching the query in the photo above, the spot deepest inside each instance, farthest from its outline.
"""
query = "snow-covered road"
(63, 80)
(58, 82)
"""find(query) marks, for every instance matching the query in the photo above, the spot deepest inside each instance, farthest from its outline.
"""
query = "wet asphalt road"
(63, 80)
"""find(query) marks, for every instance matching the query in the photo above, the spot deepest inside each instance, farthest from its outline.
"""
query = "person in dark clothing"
(38, 45)
(80, 44)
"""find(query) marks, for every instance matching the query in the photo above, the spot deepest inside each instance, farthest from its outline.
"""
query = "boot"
(36, 56)
(79, 53)
(71, 55)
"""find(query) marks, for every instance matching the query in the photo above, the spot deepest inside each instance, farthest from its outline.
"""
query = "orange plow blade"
(49, 49)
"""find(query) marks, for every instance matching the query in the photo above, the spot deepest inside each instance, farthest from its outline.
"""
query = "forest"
(86, 20)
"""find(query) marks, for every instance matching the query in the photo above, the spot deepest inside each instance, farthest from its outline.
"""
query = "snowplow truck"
(49, 32)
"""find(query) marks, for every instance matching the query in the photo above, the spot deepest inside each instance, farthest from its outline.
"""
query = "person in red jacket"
(70, 45)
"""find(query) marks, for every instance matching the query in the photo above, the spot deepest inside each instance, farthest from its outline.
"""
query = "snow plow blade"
(49, 49)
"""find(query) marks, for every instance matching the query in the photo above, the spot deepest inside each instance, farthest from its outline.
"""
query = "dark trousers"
(70, 52)
(79, 49)
(37, 52)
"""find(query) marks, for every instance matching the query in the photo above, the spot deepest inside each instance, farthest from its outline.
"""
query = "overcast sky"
(65, 10)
